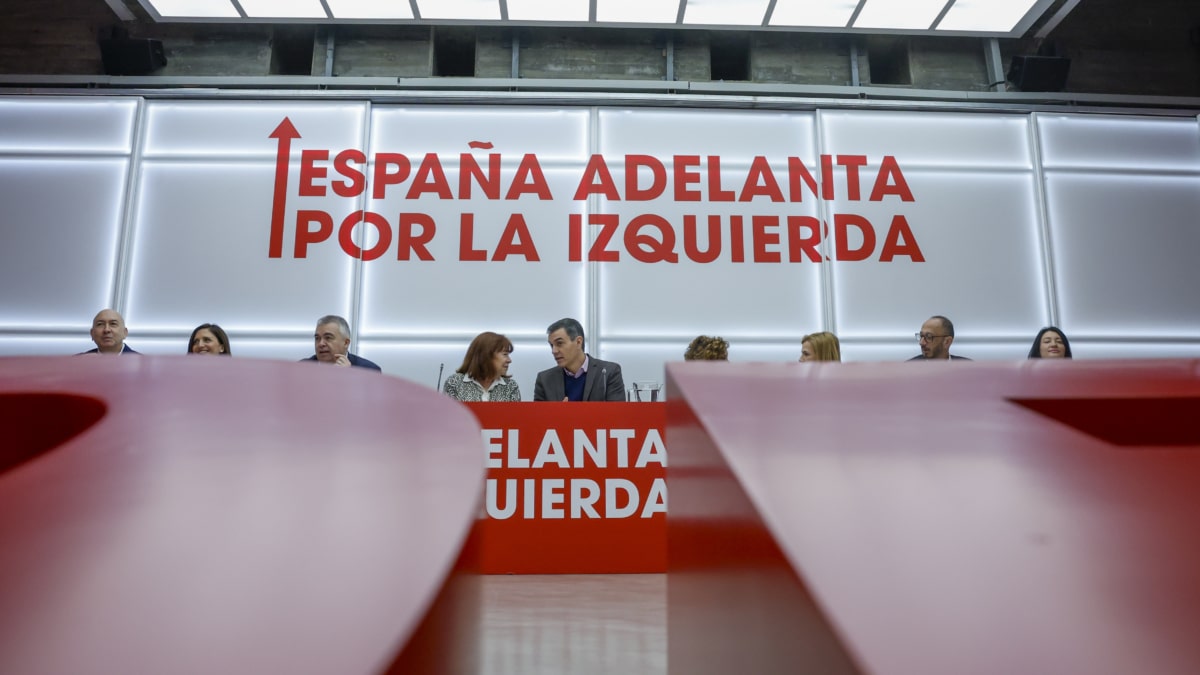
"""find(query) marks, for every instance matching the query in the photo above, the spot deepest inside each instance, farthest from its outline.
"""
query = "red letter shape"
(841, 224)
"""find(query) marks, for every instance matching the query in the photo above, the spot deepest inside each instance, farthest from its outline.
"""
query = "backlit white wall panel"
(195, 224)
(63, 170)
(974, 214)
(77, 126)
(512, 293)
(769, 299)
(202, 224)
(1125, 248)
(1123, 198)
(60, 221)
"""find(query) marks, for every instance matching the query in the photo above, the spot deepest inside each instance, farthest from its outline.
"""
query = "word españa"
(648, 237)
(554, 498)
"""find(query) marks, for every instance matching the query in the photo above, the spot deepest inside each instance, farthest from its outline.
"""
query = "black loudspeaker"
(131, 56)
(1039, 73)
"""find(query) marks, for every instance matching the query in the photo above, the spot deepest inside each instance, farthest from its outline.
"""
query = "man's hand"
(341, 360)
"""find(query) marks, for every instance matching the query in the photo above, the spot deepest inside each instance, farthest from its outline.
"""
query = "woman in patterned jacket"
(483, 375)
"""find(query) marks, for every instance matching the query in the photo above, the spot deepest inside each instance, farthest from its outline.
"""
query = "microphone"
(604, 381)
(439, 384)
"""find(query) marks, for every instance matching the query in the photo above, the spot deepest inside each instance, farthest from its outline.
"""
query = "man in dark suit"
(578, 376)
(109, 333)
(935, 338)
(332, 342)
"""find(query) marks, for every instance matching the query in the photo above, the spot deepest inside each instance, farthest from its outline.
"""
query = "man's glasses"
(927, 337)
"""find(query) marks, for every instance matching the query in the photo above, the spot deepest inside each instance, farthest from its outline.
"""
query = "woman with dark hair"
(1050, 343)
(483, 375)
(209, 338)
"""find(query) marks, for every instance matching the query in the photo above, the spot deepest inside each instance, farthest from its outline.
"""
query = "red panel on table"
(595, 501)
(234, 516)
(921, 522)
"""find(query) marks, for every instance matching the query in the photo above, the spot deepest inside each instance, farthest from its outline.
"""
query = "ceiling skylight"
(832, 13)
(725, 12)
(187, 9)
(636, 11)
(271, 9)
(983, 15)
(464, 10)
(370, 9)
(1000, 18)
(901, 14)
(548, 10)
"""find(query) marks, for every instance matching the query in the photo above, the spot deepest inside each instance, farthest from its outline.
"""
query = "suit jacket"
(355, 360)
(604, 383)
(124, 350)
(919, 357)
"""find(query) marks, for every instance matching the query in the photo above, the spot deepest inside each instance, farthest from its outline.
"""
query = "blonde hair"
(825, 346)
(705, 348)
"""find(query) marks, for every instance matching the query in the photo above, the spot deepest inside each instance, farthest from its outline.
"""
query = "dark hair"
(215, 330)
(573, 328)
(947, 325)
(705, 348)
(478, 363)
(1035, 351)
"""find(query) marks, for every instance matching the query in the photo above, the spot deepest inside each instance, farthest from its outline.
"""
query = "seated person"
(705, 348)
(823, 346)
(578, 376)
(1050, 343)
(109, 333)
(935, 338)
(483, 375)
(332, 341)
(210, 339)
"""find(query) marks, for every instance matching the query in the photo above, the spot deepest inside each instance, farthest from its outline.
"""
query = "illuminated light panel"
(195, 8)
(899, 14)
(636, 11)
(283, 9)
(466, 10)
(832, 13)
(1000, 16)
(548, 10)
(370, 9)
(725, 12)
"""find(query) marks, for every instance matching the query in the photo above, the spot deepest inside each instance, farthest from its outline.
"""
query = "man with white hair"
(332, 343)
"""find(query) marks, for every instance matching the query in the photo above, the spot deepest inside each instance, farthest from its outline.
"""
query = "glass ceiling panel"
(899, 14)
(908, 16)
(370, 9)
(548, 10)
(293, 9)
(833, 13)
(725, 12)
(466, 10)
(184, 9)
(637, 11)
(985, 15)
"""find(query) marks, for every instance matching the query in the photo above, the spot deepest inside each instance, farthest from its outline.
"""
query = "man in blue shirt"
(578, 376)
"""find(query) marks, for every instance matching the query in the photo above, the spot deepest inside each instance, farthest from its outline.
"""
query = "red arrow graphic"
(285, 132)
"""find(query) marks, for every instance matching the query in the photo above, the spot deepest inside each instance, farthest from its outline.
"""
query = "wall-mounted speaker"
(1039, 73)
(131, 56)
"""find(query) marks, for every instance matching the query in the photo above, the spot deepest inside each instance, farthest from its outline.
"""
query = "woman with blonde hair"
(705, 348)
(823, 346)
(483, 375)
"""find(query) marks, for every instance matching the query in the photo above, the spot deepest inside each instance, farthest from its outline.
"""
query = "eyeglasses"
(927, 337)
